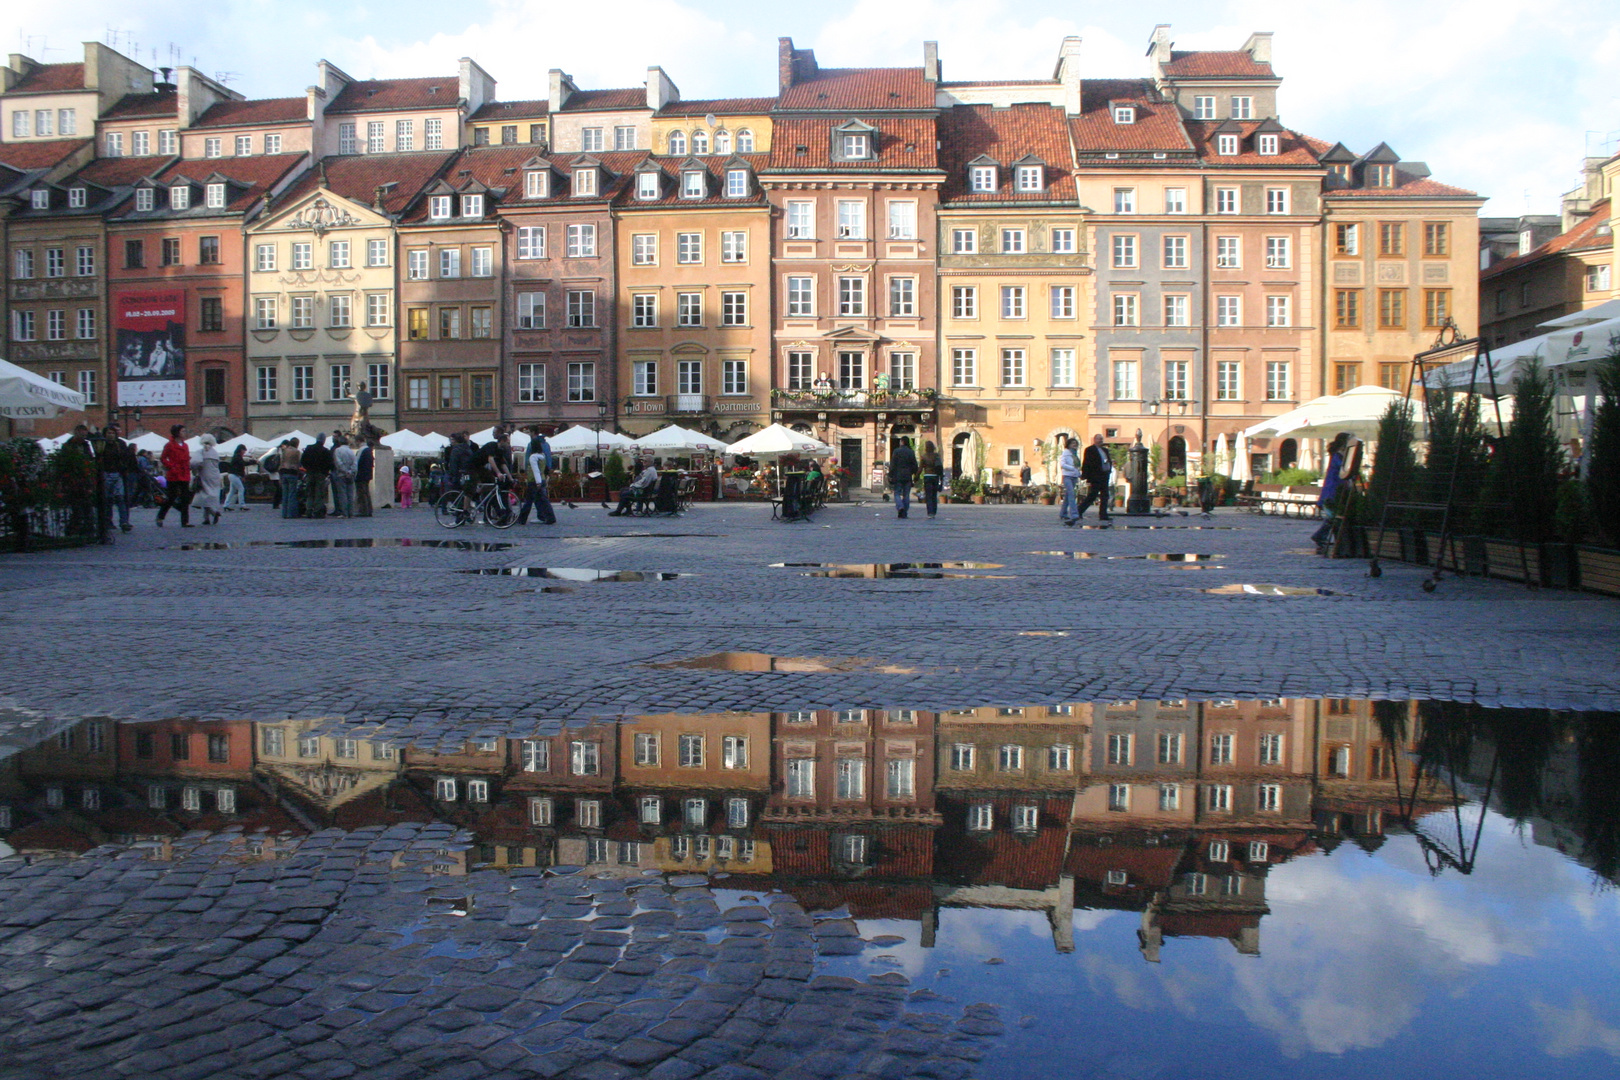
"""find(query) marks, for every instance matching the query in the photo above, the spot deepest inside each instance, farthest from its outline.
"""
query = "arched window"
(700, 142)
(1288, 454)
(677, 142)
(745, 141)
(722, 141)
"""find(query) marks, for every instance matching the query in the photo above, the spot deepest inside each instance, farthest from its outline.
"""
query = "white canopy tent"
(580, 439)
(410, 444)
(27, 396)
(777, 440)
(304, 438)
(151, 442)
(517, 440)
(255, 446)
(675, 439)
(1357, 411)
(56, 443)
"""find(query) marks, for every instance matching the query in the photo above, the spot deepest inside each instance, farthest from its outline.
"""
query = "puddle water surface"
(1270, 590)
(358, 542)
(573, 573)
(933, 570)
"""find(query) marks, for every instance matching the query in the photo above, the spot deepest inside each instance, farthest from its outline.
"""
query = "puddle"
(895, 570)
(1165, 557)
(360, 542)
(1270, 590)
(753, 661)
(1219, 528)
(573, 573)
(1043, 633)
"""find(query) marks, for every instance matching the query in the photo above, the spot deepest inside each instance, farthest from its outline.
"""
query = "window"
(1226, 200)
(1276, 200)
(965, 301)
(1124, 251)
(85, 327)
(1279, 311)
(416, 324)
(588, 812)
(1227, 377)
(143, 199)
(1125, 381)
(337, 255)
(439, 207)
(581, 241)
(1268, 797)
(982, 178)
(1063, 368)
(377, 310)
(377, 375)
(852, 296)
(902, 220)
(1267, 144)
(1391, 309)
(480, 320)
(1170, 747)
(1220, 749)
(1062, 301)
(1124, 200)
(244, 146)
(1175, 200)
(1031, 178)
(1175, 253)
(1346, 308)
(582, 311)
(644, 310)
(375, 137)
(964, 241)
(531, 383)
(736, 183)
(531, 310)
(1228, 252)
(1126, 309)
(964, 367)
(1010, 758)
(1437, 307)
(1436, 238)
(733, 247)
(1012, 241)
(652, 807)
(733, 309)
(303, 312)
(433, 133)
(483, 261)
(1242, 108)
(418, 394)
(852, 147)
(347, 144)
(265, 313)
(1598, 278)
(1218, 797)
(1228, 311)
(376, 252)
(338, 382)
(1346, 377)
(264, 256)
(20, 121)
(1392, 238)
(689, 309)
(76, 197)
(852, 219)
(1063, 241)
(801, 296)
(1012, 302)
(800, 365)
(1013, 368)
(1279, 385)
(584, 758)
(115, 144)
(689, 247)
(584, 182)
(801, 778)
(1175, 311)
(644, 249)
(55, 263)
(1175, 379)
(1204, 108)
(1271, 748)
(303, 378)
(1119, 797)
(1121, 748)
(303, 256)
(734, 752)
(1226, 145)
(55, 325)
(1279, 253)
(850, 778)
(694, 184)
(801, 220)
(851, 376)
(582, 381)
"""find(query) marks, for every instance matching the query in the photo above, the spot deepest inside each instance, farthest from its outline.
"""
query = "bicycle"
(455, 509)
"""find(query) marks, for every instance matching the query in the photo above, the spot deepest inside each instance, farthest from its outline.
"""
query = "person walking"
(365, 468)
(404, 487)
(317, 477)
(539, 458)
(112, 459)
(344, 465)
(292, 461)
(933, 471)
(902, 471)
(1097, 470)
(235, 471)
(1328, 500)
(1069, 472)
(208, 479)
(176, 460)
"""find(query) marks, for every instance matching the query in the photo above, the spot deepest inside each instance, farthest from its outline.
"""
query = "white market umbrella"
(777, 440)
(1240, 459)
(1223, 460)
(1357, 411)
(26, 396)
(57, 443)
(1582, 344)
(151, 442)
(304, 438)
(675, 439)
(516, 439)
(580, 439)
(407, 443)
(255, 446)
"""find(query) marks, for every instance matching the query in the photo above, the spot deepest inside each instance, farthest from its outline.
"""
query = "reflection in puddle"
(1043, 633)
(358, 542)
(1455, 859)
(895, 570)
(1166, 557)
(1225, 528)
(573, 573)
(1270, 590)
(754, 661)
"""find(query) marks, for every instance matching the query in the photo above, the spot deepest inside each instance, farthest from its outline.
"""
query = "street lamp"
(601, 415)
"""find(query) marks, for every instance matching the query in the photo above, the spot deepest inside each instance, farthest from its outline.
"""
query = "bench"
(1296, 500)
(799, 498)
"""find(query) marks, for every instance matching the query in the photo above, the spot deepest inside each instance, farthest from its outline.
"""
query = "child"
(404, 487)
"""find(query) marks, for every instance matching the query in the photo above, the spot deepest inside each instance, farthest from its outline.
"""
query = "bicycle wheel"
(499, 512)
(451, 510)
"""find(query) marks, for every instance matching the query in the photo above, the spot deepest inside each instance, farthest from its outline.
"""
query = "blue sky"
(1501, 96)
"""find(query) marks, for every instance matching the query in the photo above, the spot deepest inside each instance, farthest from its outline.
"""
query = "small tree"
(1455, 442)
(1524, 476)
(1394, 459)
(614, 472)
(1603, 472)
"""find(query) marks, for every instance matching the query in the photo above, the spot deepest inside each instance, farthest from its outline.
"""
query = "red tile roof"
(999, 82)
(629, 97)
(1158, 127)
(357, 177)
(500, 168)
(50, 79)
(135, 106)
(511, 110)
(38, 155)
(376, 95)
(671, 196)
(112, 172)
(1216, 65)
(259, 174)
(261, 111)
(903, 142)
(1292, 147)
(719, 107)
(860, 88)
(1411, 187)
(969, 131)
(1586, 235)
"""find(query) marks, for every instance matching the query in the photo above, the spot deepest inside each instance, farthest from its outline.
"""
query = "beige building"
(63, 101)
(398, 116)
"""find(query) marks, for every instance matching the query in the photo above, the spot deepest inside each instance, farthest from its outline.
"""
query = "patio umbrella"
(255, 446)
(407, 443)
(777, 440)
(518, 440)
(580, 439)
(1357, 411)
(304, 438)
(151, 442)
(675, 439)
(26, 396)
(1240, 459)
(1223, 460)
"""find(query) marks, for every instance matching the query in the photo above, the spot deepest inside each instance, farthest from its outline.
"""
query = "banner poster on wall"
(151, 339)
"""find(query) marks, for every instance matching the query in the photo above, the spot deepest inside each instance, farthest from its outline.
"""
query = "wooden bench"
(1297, 500)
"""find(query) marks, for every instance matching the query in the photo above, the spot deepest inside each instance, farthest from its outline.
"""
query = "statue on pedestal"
(360, 421)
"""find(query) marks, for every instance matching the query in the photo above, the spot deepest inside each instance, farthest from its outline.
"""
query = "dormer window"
(76, 197)
(584, 182)
(736, 183)
(1031, 178)
(180, 197)
(677, 142)
(693, 184)
(982, 178)
(40, 199)
(1124, 114)
(143, 199)
(214, 195)
(536, 184)
(439, 207)
(1381, 176)
(1226, 145)
(472, 206)
(1340, 171)
(854, 147)
(647, 185)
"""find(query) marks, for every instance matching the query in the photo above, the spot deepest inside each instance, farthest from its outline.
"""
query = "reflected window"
(801, 778)
(536, 755)
(1269, 798)
(1170, 748)
(1197, 884)
(737, 813)
(691, 751)
(1259, 851)
(1119, 797)
(1026, 817)
(588, 813)
(540, 811)
(647, 750)
(851, 778)
(1220, 797)
(1169, 797)
(478, 791)
(902, 779)
(652, 810)
(852, 849)
(444, 789)
(1121, 748)
(1060, 757)
(1271, 748)
(585, 758)
(1011, 758)
(962, 757)
(191, 799)
(695, 812)
(734, 752)
(1219, 851)
(1220, 750)
(981, 817)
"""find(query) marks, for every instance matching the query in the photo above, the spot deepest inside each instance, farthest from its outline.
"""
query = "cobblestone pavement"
(393, 635)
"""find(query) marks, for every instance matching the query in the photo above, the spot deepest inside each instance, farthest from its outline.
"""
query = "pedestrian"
(902, 471)
(1327, 501)
(458, 464)
(317, 477)
(365, 467)
(933, 471)
(1069, 471)
(1097, 470)
(292, 481)
(235, 471)
(208, 479)
(112, 459)
(344, 464)
(149, 477)
(176, 459)
(404, 487)
(270, 466)
(643, 484)
(538, 456)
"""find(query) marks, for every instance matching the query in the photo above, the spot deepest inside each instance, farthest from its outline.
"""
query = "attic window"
(143, 199)
(1124, 114)
(1226, 145)
(472, 206)
(1031, 178)
(1268, 145)
(736, 183)
(40, 199)
(439, 207)
(982, 178)
(76, 196)
(693, 185)
(585, 181)
(536, 184)
(854, 146)
(647, 185)
(435, 90)
(180, 197)
(1381, 176)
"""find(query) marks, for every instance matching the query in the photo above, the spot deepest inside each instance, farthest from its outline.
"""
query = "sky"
(1504, 97)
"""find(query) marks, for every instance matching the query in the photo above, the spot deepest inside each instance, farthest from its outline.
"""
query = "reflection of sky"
(1369, 966)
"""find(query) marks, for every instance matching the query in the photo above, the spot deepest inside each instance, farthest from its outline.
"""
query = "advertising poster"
(151, 340)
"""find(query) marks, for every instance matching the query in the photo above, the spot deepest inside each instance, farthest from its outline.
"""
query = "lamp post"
(1136, 474)
(601, 415)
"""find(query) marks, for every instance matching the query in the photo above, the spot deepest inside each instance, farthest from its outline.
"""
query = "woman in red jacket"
(177, 476)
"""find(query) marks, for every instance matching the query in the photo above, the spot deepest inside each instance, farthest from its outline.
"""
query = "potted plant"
(963, 488)
(615, 474)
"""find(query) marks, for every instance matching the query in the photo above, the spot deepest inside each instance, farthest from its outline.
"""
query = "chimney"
(931, 61)
(1259, 46)
(474, 85)
(1159, 46)
(1068, 73)
(377, 194)
(793, 66)
(562, 88)
(660, 89)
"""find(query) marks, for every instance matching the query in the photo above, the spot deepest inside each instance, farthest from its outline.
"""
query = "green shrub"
(1575, 522)
(615, 473)
(1393, 461)
(1603, 474)
(1294, 476)
(1524, 474)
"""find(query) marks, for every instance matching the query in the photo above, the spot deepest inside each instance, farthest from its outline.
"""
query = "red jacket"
(176, 462)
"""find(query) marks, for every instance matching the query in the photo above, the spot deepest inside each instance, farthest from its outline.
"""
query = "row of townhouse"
(870, 254)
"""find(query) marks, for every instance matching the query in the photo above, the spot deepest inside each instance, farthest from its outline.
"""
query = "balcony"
(688, 403)
(832, 399)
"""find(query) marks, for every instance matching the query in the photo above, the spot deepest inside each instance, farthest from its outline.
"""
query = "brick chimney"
(793, 66)
(1259, 46)
(1068, 74)
(931, 61)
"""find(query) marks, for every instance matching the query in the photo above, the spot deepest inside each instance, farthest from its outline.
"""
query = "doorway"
(1177, 456)
(1288, 454)
(849, 457)
(959, 448)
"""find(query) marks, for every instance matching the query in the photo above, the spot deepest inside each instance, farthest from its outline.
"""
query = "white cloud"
(1574, 1030)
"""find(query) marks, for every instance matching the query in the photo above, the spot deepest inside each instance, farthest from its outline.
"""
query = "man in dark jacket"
(317, 475)
(112, 460)
(1097, 470)
(902, 471)
(365, 467)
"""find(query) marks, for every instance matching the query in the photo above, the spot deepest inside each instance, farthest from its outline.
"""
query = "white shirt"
(1068, 464)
